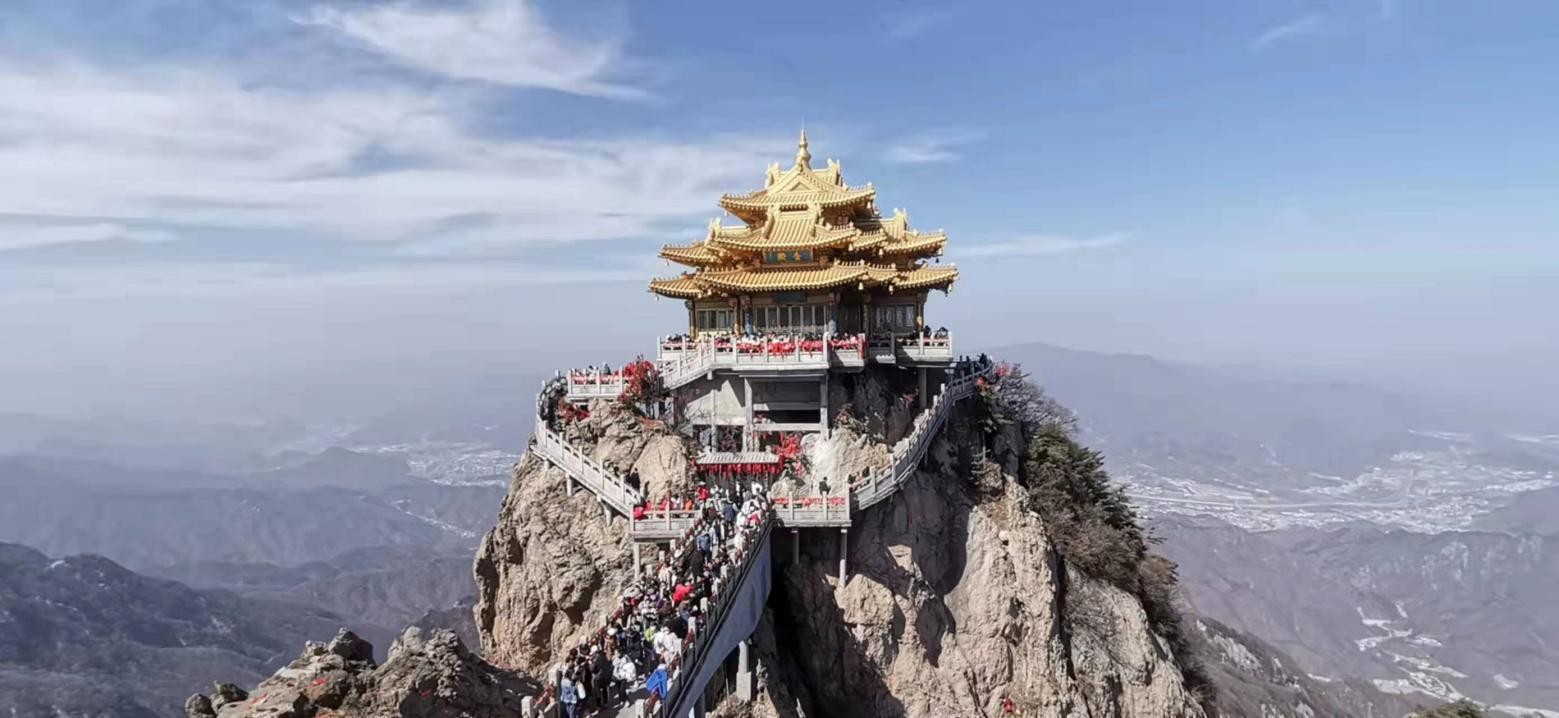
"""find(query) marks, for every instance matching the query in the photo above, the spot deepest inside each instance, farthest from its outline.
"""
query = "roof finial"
(803, 155)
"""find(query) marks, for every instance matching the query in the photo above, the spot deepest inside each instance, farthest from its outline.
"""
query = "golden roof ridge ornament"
(803, 155)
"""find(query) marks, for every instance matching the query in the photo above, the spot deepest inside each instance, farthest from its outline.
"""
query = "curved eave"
(785, 280)
(928, 278)
(679, 288)
(691, 255)
(867, 241)
(924, 245)
(759, 243)
(737, 203)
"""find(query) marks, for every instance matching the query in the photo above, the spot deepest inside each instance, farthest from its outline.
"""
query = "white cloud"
(1307, 25)
(29, 234)
(268, 279)
(79, 144)
(942, 146)
(1043, 245)
(501, 41)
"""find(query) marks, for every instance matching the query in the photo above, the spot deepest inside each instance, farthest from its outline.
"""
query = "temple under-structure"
(810, 279)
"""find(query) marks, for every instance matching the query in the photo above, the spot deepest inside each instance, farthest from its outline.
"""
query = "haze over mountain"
(375, 521)
(84, 636)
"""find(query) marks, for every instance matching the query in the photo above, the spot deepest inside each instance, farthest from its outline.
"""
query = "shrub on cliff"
(1090, 519)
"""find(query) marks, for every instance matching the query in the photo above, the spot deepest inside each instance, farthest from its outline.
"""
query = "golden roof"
(830, 229)
(785, 231)
(789, 279)
(781, 279)
(928, 277)
(683, 287)
(799, 187)
(916, 244)
(697, 254)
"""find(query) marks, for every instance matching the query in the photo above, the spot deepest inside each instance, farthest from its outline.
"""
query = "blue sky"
(1366, 186)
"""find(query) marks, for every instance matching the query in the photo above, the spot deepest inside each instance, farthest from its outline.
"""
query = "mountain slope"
(85, 636)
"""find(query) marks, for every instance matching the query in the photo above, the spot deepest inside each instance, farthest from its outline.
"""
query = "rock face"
(546, 567)
(623, 441)
(427, 674)
(956, 599)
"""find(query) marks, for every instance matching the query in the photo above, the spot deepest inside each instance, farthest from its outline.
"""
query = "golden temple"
(812, 255)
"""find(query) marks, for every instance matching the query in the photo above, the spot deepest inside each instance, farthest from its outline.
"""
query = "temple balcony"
(912, 349)
(584, 385)
(770, 353)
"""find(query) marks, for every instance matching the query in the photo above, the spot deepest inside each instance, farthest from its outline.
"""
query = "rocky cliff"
(426, 674)
(956, 600)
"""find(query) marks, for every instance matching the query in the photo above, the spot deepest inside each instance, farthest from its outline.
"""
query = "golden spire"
(803, 156)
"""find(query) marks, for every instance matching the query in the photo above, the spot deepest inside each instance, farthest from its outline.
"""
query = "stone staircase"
(611, 489)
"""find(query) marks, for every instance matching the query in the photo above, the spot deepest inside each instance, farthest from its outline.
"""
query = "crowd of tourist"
(662, 612)
(926, 335)
(594, 375)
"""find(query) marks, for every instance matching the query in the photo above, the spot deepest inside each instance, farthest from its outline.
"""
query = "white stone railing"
(813, 510)
(694, 358)
(917, 347)
(608, 487)
(584, 385)
(907, 453)
(794, 511)
(732, 619)
(689, 365)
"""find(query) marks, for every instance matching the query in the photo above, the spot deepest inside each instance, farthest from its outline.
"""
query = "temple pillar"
(922, 392)
(822, 411)
(748, 440)
(744, 677)
(844, 552)
(637, 561)
(692, 321)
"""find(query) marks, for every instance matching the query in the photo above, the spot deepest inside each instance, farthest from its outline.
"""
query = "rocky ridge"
(428, 674)
(956, 599)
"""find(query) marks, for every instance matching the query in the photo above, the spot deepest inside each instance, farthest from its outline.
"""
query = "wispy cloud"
(939, 146)
(1044, 245)
(25, 233)
(1307, 25)
(912, 23)
(268, 278)
(500, 41)
(102, 150)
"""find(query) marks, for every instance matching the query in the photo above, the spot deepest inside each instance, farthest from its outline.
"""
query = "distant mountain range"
(83, 636)
(373, 521)
(288, 516)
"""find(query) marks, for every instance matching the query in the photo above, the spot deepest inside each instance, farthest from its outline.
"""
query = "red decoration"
(641, 381)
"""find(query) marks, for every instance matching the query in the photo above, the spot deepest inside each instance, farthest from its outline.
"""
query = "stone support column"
(822, 403)
(748, 439)
(744, 677)
(922, 393)
(844, 553)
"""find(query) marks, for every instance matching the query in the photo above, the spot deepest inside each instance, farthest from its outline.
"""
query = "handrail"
(699, 356)
(694, 655)
(610, 489)
(909, 450)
